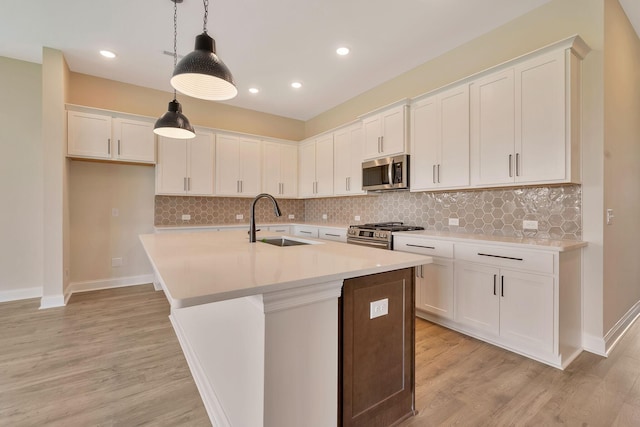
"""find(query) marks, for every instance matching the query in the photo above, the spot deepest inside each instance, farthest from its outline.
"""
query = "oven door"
(367, 242)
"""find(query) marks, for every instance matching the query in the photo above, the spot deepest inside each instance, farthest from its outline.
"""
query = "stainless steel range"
(377, 235)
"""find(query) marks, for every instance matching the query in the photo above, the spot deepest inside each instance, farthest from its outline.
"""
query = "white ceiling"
(266, 44)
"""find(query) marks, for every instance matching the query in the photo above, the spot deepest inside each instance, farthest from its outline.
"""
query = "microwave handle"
(390, 172)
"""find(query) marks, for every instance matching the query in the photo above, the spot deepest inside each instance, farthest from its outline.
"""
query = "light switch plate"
(291, 216)
(378, 308)
(324, 216)
(454, 221)
(529, 225)
(356, 218)
(186, 217)
(239, 216)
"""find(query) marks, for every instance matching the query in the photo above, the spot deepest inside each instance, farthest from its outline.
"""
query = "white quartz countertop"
(202, 267)
(243, 224)
(555, 245)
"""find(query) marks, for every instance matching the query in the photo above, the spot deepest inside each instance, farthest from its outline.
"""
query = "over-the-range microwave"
(389, 173)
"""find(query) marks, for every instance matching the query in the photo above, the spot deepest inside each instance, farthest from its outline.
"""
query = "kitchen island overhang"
(259, 323)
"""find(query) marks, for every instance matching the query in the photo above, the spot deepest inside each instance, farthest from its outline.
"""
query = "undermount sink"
(283, 241)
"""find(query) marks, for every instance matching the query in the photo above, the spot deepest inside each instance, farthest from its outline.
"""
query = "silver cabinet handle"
(241, 186)
(502, 286)
(422, 271)
(382, 144)
(189, 183)
(517, 164)
(237, 186)
(184, 183)
(438, 173)
(433, 174)
(332, 235)
(501, 257)
(118, 147)
(109, 146)
(420, 246)
(495, 276)
(305, 232)
(510, 166)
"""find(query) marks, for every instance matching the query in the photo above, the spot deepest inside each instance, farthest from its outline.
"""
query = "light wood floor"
(110, 358)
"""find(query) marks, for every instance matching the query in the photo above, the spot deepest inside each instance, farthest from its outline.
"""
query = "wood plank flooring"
(110, 358)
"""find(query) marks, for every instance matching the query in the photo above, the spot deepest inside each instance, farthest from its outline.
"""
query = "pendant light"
(174, 124)
(202, 74)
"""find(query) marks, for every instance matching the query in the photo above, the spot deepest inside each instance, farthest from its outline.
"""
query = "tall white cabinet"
(316, 167)
(185, 166)
(280, 169)
(347, 161)
(238, 166)
(440, 140)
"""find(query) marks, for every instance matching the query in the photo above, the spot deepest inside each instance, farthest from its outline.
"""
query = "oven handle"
(390, 172)
(368, 243)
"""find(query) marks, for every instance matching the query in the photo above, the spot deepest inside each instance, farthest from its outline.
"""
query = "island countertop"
(199, 268)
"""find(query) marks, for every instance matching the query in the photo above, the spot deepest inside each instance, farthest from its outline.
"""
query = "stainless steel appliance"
(378, 235)
(390, 173)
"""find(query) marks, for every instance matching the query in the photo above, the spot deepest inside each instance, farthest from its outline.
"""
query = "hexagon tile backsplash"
(558, 210)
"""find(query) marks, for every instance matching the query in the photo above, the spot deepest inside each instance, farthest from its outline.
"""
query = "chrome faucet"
(252, 224)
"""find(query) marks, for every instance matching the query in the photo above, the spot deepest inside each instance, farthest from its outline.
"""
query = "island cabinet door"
(377, 349)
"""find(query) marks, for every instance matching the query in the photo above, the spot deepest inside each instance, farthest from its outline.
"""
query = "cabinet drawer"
(520, 259)
(421, 246)
(337, 234)
(285, 229)
(303, 231)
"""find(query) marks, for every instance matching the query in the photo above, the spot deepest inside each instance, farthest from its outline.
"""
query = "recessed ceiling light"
(342, 51)
(254, 90)
(296, 85)
(107, 54)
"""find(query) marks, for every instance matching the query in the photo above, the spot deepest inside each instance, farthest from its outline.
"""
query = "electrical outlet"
(454, 221)
(239, 216)
(292, 216)
(186, 217)
(115, 212)
(610, 216)
(378, 308)
(116, 262)
(356, 218)
(529, 225)
(324, 216)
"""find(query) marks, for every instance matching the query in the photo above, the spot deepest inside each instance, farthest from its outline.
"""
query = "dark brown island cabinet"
(377, 350)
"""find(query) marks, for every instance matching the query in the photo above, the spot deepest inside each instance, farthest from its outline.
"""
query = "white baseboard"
(19, 294)
(52, 301)
(612, 337)
(119, 282)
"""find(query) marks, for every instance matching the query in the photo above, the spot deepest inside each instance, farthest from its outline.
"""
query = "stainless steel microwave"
(390, 173)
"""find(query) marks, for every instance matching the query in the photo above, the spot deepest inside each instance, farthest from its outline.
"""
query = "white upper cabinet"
(385, 132)
(440, 140)
(316, 167)
(98, 136)
(238, 166)
(280, 169)
(525, 121)
(348, 147)
(185, 166)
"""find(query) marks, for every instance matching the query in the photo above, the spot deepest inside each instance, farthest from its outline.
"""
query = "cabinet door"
(526, 310)
(271, 167)
(393, 131)
(492, 129)
(453, 147)
(289, 170)
(200, 164)
(477, 300)
(88, 135)
(324, 166)
(357, 156)
(424, 144)
(436, 288)
(540, 119)
(307, 175)
(372, 130)
(341, 161)
(134, 141)
(227, 167)
(171, 169)
(250, 166)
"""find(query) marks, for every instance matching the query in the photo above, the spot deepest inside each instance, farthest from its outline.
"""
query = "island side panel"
(377, 356)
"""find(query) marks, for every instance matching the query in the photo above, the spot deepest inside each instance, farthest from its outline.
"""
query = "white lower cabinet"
(335, 234)
(305, 231)
(516, 306)
(284, 229)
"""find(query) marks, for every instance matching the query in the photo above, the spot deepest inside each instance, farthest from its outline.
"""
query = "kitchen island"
(258, 323)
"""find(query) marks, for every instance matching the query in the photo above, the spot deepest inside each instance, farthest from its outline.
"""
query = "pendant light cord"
(206, 15)
(175, 40)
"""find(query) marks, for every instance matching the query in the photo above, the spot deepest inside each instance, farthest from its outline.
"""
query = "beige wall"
(96, 235)
(621, 164)
(21, 179)
(111, 95)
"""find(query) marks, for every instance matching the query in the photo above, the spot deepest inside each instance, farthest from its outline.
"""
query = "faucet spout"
(252, 223)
